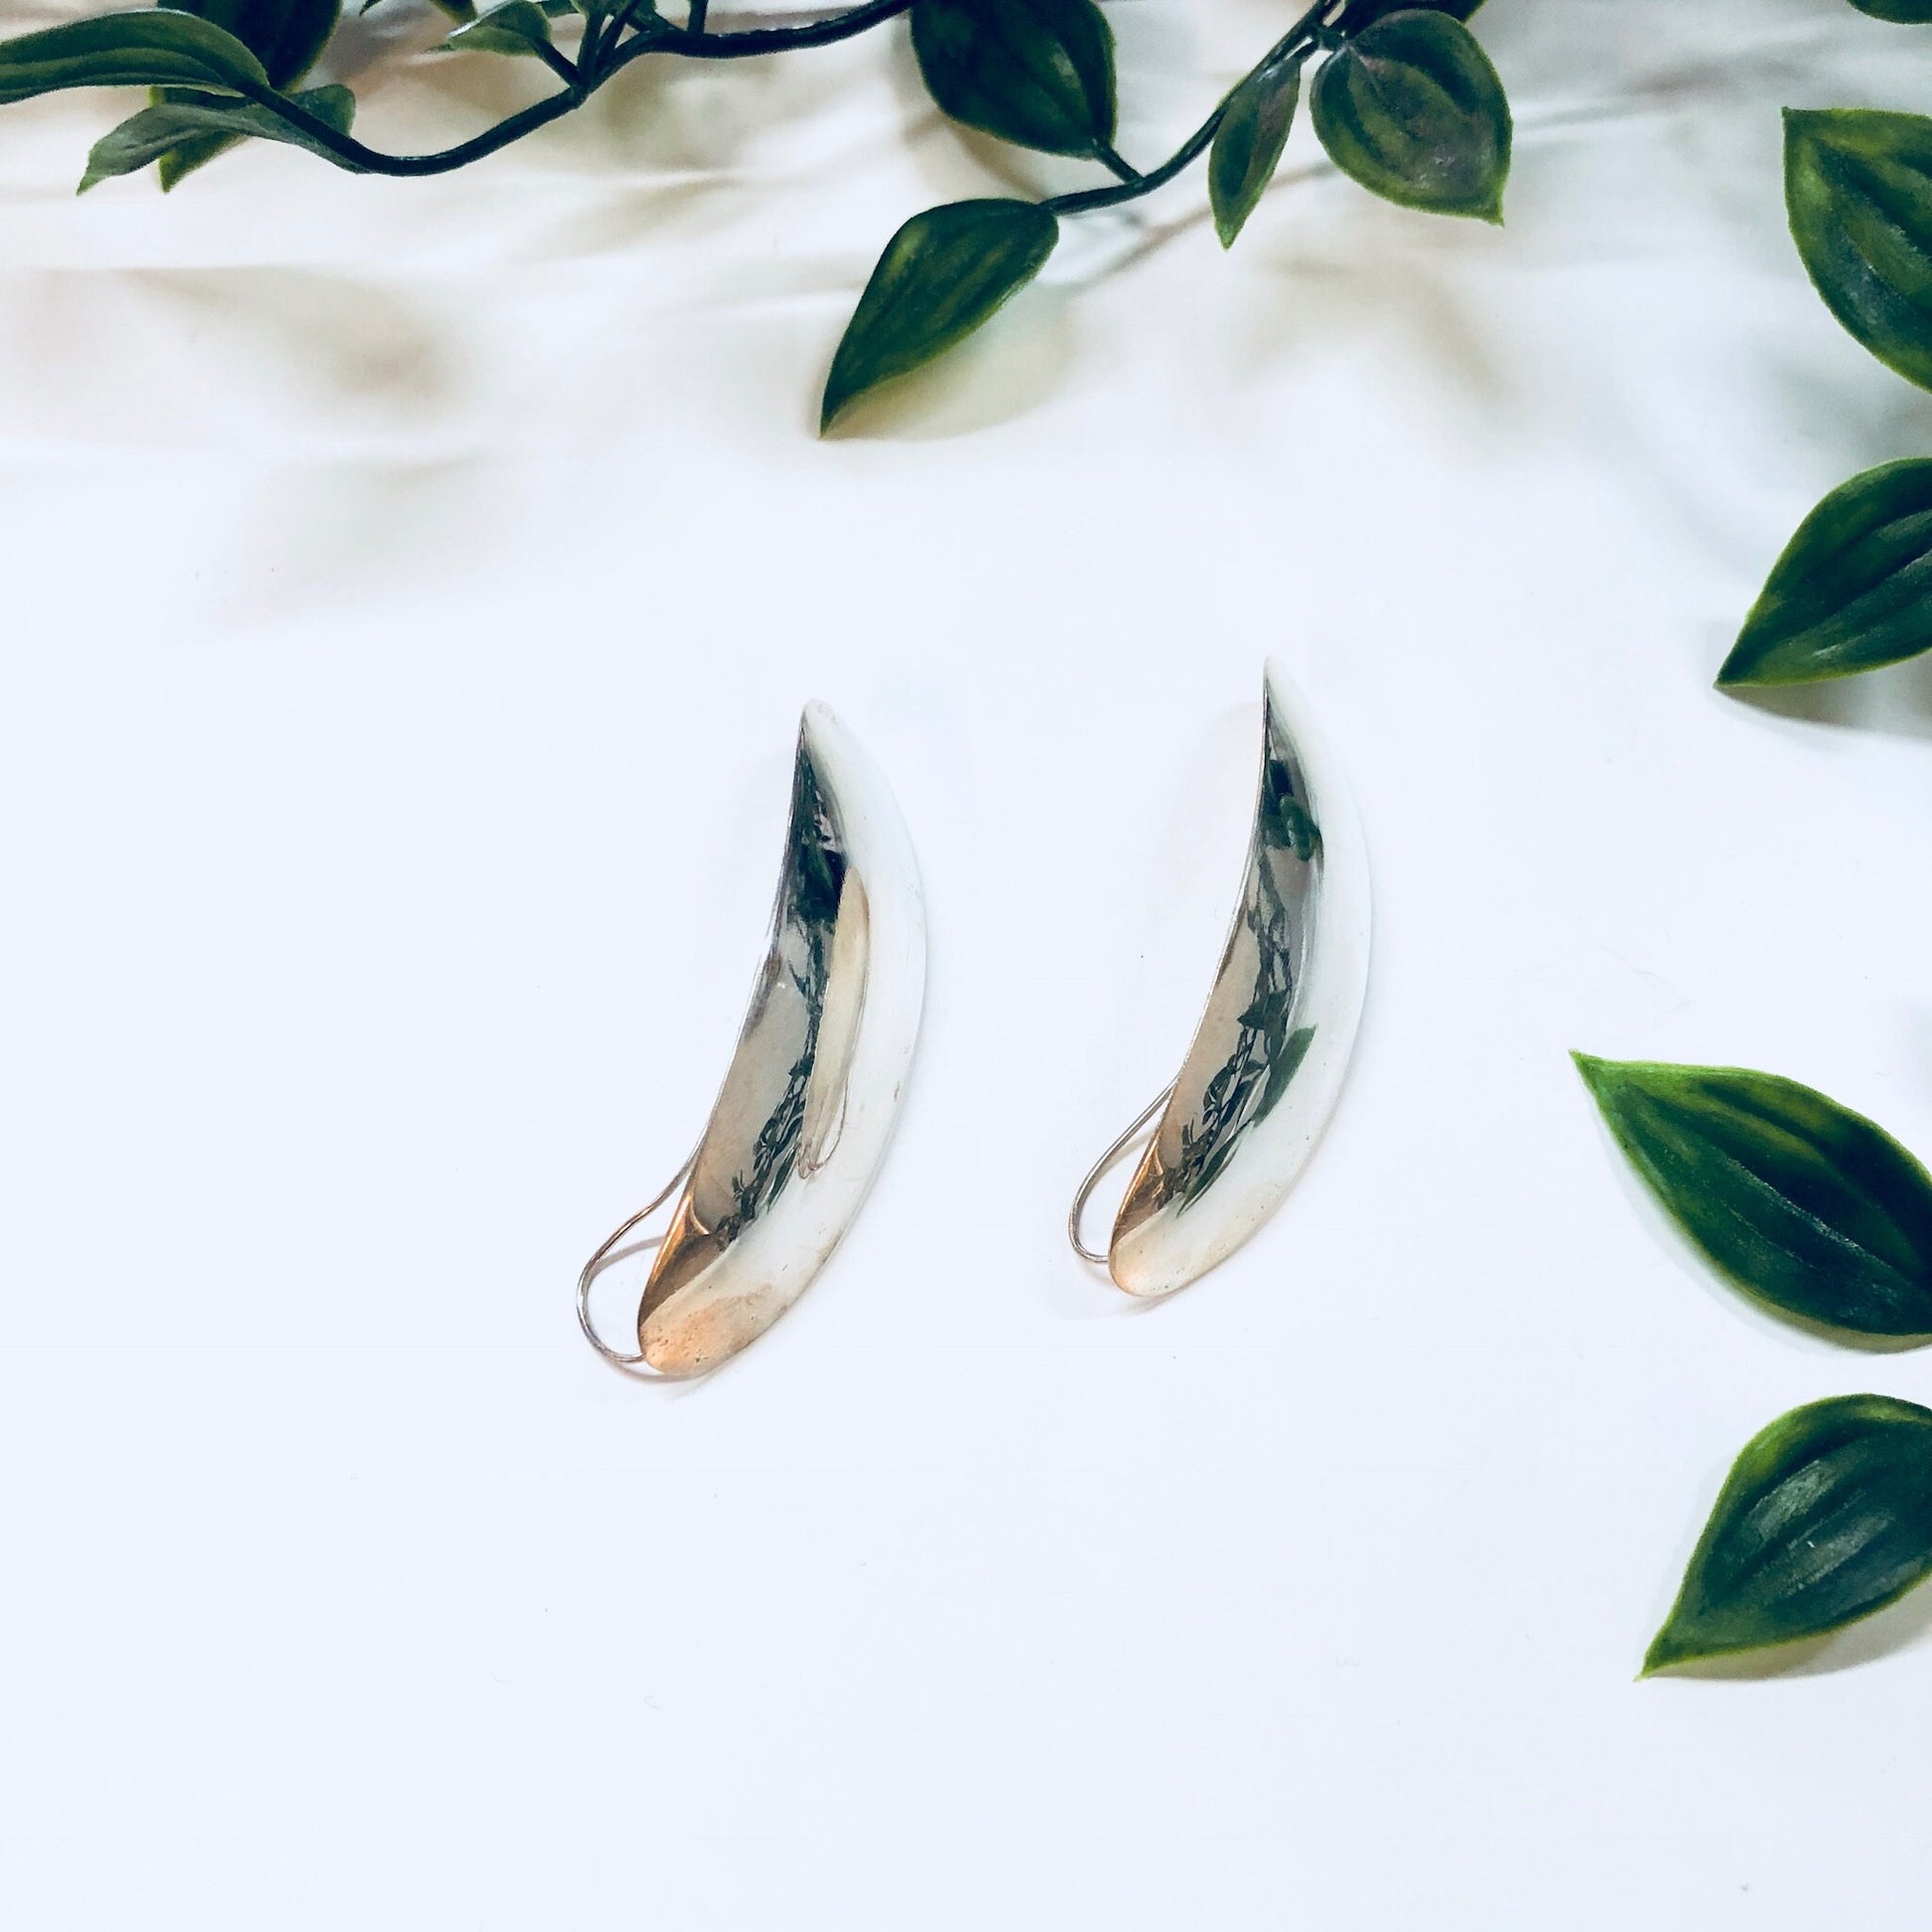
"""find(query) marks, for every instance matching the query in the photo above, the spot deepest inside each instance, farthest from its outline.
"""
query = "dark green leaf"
(186, 119)
(1854, 589)
(1805, 1205)
(285, 36)
(162, 48)
(1858, 188)
(1905, 12)
(1248, 144)
(941, 276)
(1412, 110)
(1824, 1518)
(1037, 73)
(516, 27)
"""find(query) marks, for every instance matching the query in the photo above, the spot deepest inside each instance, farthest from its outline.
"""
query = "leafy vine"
(1403, 98)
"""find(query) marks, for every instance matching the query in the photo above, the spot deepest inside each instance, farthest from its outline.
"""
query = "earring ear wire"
(1129, 1143)
(605, 1258)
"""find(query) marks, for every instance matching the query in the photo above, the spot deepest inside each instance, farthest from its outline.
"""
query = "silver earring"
(1267, 1064)
(808, 1103)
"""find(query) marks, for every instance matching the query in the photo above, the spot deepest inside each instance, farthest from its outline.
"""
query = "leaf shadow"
(1884, 1633)
(1895, 702)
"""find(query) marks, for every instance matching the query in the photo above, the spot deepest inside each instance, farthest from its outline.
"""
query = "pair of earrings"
(809, 1100)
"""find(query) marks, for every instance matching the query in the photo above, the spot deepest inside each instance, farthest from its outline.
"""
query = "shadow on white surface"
(1895, 702)
(1898, 1626)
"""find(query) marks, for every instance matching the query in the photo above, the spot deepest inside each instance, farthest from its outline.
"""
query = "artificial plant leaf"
(161, 47)
(1858, 188)
(1248, 143)
(1037, 72)
(285, 36)
(1824, 1518)
(1412, 110)
(1853, 590)
(941, 276)
(1807, 1206)
(516, 27)
(185, 119)
(1905, 12)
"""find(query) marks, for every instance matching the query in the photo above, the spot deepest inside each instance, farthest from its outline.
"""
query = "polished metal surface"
(809, 1100)
(1268, 1060)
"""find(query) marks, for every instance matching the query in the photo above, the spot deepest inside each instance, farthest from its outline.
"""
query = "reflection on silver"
(808, 1102)
(1267, 1064)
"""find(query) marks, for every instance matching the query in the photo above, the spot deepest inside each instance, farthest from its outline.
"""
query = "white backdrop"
(410, 593)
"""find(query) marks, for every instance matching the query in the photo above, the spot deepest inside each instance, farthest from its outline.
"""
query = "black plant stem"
(596, 68)
(750, 42)
(600, 60)
(1297, 43)
(1132, 190)
(353, 154)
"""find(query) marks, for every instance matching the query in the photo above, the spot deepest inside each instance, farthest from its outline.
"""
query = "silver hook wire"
(1111, 1159)
(594, 1267)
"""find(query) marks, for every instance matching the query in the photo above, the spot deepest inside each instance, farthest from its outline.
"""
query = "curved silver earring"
(808, 1103)
(1267, 1064)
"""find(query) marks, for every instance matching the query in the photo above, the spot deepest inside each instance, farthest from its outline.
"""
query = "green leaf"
(1415, 112)
(1037, 72)
(1248, 143)
(941, 276)
(1824, 1518)
(285, 36)
(1853, 590)
(184, 120)
(1859, 188)
(1808, 1207)
(162, 48)
(516, 27)
(1905, 12)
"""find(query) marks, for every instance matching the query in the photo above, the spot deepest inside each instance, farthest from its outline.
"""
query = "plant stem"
(353, 154)
(1132, 190)
(597, 67)
(1300, 41)
(559, 62)
(750, 42)
(600, 57)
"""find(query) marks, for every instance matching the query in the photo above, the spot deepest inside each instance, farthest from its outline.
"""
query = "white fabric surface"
(412, 588)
